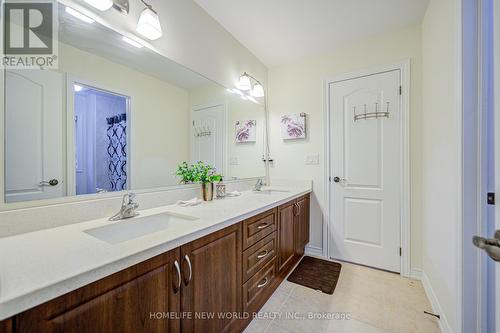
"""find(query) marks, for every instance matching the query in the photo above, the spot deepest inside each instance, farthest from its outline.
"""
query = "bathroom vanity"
(115, 117)
(213, 283)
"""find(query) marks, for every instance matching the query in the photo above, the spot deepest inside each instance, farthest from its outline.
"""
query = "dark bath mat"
(316, 274)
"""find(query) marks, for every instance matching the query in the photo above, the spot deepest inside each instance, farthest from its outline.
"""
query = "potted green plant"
(200, 172)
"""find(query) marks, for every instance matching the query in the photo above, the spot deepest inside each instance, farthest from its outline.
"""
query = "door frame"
(70, 130)
(405, 194)
(476, 105)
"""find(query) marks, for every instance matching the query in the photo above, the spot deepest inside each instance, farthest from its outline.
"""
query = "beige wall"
(159, 114)
(299, 87)
(441, 154)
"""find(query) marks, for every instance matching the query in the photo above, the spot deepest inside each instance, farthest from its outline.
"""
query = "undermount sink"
(271, 191)
(124, 230)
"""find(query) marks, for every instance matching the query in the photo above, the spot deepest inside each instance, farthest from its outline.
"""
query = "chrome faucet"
(258, 185)
(128, 208)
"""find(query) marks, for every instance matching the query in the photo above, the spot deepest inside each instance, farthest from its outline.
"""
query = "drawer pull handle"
(263, 284)
(262, 254)
(262, 226)
(178, 269)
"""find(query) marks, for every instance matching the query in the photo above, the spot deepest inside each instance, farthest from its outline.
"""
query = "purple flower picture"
(246, 131)
(293, 126)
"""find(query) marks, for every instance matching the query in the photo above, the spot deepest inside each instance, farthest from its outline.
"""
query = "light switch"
(233, 161)
(312, 159)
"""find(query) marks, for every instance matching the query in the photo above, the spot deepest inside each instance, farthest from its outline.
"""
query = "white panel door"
(208, 136)
(33, 155)
(365, 171)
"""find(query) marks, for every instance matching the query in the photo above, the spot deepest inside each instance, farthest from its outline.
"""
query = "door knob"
(52, 182)
(490, 245)
(339, 180)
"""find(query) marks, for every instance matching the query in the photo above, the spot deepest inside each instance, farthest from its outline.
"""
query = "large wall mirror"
(115, 116)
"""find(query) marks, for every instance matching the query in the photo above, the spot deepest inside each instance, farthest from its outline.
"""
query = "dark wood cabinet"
(133, 300)
(208, 285)
(211, 268)
(286, 241)
(293, 231)
(301, 221)
(6, 326)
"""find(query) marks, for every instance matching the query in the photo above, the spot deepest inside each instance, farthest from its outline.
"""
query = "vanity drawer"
(258, 227)
(256, 256)
(259, 284)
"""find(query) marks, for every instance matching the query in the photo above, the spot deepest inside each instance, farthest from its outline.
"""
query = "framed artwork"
(246, 131)
(293, 126)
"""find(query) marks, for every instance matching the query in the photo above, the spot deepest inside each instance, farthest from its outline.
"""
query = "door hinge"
(491, 198)
(401, 90)
(400, 251)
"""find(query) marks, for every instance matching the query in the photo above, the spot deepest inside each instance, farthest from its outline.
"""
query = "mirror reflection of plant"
(197, 173)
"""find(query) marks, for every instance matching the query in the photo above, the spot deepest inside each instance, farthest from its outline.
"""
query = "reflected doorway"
(101, 130)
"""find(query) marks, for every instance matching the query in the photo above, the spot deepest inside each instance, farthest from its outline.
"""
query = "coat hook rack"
(201, 131)
(374, 114)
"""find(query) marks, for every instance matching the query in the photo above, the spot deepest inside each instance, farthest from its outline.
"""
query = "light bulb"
(258, 90)
(77, 87)
(149, 24)
(100, 4)
(244, 83)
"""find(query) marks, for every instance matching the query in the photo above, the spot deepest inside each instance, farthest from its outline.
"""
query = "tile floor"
(376, 301)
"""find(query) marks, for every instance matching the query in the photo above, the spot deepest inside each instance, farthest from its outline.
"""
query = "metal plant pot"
(207, 191)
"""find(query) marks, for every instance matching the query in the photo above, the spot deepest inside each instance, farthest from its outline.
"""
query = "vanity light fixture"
(258, 90)
(132, 42)
(244, 82)
(149, 23)
(102, 5)
(79, 15)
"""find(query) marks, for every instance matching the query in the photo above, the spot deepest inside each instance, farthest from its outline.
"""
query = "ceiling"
(282, 31)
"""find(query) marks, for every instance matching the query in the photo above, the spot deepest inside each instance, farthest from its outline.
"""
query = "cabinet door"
(133, 300)
(6, 326)
(211, 274)
(302, 224)
(286, 238)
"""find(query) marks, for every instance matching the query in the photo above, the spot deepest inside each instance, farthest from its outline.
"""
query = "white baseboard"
(416, 274)
(444, 325)
(314, 251)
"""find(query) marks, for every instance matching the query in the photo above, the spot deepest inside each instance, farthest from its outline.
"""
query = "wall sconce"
(245, 84)
(149, 23)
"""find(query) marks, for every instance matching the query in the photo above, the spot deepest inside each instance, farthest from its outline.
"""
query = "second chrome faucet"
(128, 208)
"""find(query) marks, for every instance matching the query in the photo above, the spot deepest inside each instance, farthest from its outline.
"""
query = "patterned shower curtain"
(117, 152)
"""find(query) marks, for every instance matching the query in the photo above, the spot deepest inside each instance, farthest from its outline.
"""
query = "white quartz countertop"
(39, 266)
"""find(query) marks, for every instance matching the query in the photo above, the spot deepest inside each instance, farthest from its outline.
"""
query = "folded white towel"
(233, 194)
(187, 203)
